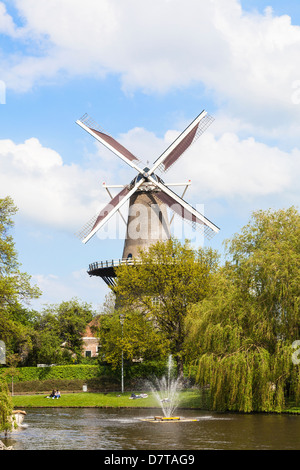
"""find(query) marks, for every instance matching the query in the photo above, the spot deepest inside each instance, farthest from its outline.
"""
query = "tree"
(73, 318)
(168, 278)
(6, 406)
(46, 339)
(61, 327)
(15, 287)
(129, 333)
(241, 335)
(57, 332)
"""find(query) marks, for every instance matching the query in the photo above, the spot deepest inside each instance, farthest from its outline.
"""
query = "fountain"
(166, 391)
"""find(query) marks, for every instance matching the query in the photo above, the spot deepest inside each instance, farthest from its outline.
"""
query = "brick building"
(90, 340)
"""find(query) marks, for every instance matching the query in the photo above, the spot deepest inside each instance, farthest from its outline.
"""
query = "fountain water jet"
(166, 391)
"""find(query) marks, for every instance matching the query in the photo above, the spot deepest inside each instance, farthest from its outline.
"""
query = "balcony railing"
(114, 263)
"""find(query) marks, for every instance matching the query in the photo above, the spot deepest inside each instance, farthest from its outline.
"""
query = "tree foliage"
(168, 278)
(241, 335)
(6, 406)
(59, 331)
(129, 333)
(15, 286)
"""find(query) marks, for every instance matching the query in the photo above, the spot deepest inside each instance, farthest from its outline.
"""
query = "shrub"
(6, 407)
(70, 372)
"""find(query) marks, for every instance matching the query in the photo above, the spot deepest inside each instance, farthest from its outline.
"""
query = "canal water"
(123, 429)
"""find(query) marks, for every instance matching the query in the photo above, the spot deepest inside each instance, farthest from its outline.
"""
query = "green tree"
(241, 335)
(57, 332)
(129, 333)
(61, 328)
(73, 317)
(46, 339)
(15, 287)
(168, 278)
(6, 406)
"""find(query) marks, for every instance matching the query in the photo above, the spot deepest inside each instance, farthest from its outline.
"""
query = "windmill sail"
(183, 142)
(89, 125)
(116, 145)
(199, 222)
(94, 224)
(188, 212)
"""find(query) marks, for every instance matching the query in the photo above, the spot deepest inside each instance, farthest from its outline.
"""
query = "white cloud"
(249, 61)
(45, 189)
(7, 25)
(231, 168)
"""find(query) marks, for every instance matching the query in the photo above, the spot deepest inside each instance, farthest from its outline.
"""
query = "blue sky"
(143, 71)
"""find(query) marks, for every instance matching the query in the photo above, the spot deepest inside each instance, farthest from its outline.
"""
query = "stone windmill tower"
(149, 198)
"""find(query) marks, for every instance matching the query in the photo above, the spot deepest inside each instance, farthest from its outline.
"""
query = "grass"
(188, 399)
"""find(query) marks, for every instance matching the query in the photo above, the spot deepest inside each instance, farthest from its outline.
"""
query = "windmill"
(148, 196)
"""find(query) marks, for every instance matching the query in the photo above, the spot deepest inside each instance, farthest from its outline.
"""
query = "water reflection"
(109, 429)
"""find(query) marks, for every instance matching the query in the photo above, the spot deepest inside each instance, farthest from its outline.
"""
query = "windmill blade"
(184, 210)
(183, 142)
(94, 224)
(90, 126)
(111, 197)
(184, 191)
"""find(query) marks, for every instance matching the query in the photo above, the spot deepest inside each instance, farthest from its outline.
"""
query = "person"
(57, 394)
(52, 395)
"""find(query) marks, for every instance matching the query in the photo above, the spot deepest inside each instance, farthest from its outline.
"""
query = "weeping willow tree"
(6, 406)
(241, 336)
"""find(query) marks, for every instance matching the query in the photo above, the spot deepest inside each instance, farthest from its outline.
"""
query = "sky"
(143, 71)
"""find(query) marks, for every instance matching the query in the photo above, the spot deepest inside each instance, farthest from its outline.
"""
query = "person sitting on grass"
(57, 394)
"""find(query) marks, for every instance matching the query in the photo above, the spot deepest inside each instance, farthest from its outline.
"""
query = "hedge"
(104, 384)
(70, 372)
(133, 373)
(84, 372)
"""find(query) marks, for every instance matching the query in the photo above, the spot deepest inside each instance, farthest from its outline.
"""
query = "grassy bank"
(188, 399)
